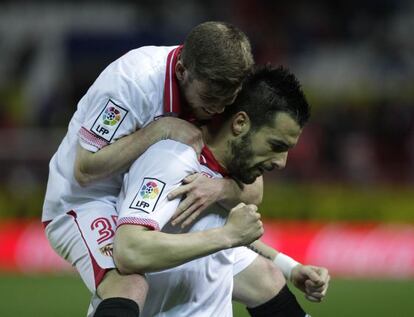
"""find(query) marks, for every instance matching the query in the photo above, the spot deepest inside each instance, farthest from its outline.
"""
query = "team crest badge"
(148, 195)
(107, 250)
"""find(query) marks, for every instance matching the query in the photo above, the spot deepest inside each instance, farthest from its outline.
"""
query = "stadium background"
(345, 199)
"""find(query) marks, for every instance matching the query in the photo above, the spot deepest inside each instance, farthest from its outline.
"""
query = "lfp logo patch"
(148, 195)
(149, 190)
(111, 116)
(109, 120)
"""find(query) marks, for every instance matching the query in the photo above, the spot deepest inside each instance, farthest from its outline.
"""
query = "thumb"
(190, 178)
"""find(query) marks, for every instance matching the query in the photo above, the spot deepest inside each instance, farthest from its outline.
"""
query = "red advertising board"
(354, 250)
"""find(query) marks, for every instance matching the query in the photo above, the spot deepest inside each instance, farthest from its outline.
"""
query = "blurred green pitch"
(61, 296)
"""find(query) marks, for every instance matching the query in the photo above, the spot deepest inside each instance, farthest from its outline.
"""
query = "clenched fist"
(243, 225)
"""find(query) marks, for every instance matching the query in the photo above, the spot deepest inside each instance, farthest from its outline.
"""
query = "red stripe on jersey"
(207, 158)
(98, 271)
(149, 223)
(173, 103)
(91, 138)
(172, 100)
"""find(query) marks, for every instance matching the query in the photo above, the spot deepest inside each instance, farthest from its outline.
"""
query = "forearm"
(264, 250)
(285, 263)
(140, 251)
(115, 157)
(234, 194)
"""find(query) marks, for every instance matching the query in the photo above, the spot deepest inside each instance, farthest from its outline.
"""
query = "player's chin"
(201, 114)
(207, 113)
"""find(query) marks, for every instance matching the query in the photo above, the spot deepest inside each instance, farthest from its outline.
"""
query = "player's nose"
(279, 162)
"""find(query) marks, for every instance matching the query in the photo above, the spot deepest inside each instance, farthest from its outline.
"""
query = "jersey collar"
(173, 103)
(172, 98)
(207, 158)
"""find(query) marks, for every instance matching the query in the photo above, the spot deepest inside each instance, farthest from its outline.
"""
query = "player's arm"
(200, 192)
(312, 280)
(118, 156)
(139, 250)
(143, 202)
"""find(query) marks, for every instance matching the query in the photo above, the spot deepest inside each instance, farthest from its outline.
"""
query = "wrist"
(286, 264)
(230, 191)
(229, 239)
(159, 130)
(224, 190)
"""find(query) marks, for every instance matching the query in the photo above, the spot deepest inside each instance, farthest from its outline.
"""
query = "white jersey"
(130, 93)
(202, 287)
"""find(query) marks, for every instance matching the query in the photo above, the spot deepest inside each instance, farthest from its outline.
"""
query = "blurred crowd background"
(349, 183)
(355, 60)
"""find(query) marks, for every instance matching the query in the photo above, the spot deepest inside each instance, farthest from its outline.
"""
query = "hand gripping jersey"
(202, 287)
(129, 94)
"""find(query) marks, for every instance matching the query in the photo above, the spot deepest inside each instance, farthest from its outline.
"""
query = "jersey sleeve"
(115, 105)
(161, 169)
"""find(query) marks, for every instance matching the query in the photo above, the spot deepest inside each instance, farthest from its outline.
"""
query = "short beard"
(241, 157)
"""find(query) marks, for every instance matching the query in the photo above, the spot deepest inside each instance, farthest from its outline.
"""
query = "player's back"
(135, 104)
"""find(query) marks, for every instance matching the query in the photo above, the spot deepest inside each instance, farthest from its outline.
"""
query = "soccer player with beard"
(254, 136)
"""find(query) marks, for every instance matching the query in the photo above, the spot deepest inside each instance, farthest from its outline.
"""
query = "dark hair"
(218, 53)
(267, 91)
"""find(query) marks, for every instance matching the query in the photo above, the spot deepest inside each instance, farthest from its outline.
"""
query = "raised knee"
(273, 278)
(134, 287)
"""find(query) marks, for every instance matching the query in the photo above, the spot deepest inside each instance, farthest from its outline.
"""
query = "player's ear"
(241, 123)
(180, 71)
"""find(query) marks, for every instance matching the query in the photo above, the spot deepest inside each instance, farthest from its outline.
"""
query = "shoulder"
(144, 61)
(139, 65)
(174, 148)
(135, 81)
(166, 159)
(144, 70)
(172, 155)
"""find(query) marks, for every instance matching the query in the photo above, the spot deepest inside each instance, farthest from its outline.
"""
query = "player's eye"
(279, 147)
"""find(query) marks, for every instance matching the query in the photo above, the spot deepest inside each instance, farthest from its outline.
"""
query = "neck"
(217, 142)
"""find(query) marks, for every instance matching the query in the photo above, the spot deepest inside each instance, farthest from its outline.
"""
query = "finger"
(252, 207)
(326, 286)
(313, 281)
(185, 214)
(314, 285)
(183, 206)
(325, 277)
(192, 217)
(182, 190)
(260, 230)
(315, 294)
(313, 299)
(314, 276)
(190, 178)
(325, 290)
(319, 289)
(239, 205)
(322, 272)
